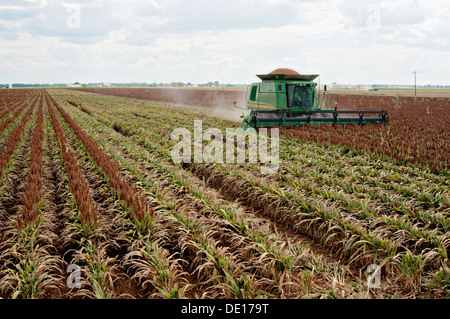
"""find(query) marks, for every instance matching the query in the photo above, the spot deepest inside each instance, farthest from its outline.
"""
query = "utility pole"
(415, 83)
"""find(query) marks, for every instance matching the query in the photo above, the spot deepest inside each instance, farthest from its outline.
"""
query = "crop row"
(24, 257)
(14, 138)
(140, 209)
(32, 192)
(78, 183)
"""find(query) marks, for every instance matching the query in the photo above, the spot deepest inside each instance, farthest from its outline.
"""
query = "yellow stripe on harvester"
(263, 106)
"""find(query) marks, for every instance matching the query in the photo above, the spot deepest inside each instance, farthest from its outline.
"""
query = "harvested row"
(430, 247)
(309, 159)
(342, 232)
(221, 210)
(431, 258)
(431, 195)
(57, 212)
(182, 230)
(423, 229)
(289, 208)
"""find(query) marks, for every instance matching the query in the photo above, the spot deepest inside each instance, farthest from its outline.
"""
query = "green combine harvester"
(286, 98)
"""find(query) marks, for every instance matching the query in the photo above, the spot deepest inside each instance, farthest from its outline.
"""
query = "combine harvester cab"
(286, 98)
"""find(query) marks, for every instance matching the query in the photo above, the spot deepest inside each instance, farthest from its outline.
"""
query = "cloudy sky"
(353, 42)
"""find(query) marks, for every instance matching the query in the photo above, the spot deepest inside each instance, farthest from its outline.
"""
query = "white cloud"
(367, 41)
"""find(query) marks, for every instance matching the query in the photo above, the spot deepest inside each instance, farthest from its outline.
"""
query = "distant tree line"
(189, 84)
(172, 84)
(428, 86)
(129, 84)
(34, 85)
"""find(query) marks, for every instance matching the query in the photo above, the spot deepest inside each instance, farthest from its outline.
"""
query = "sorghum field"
(87, 180)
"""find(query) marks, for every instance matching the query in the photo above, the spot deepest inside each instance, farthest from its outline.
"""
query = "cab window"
(253, 93)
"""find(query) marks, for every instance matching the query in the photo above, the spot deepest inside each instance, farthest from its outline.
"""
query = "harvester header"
(288, 98)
